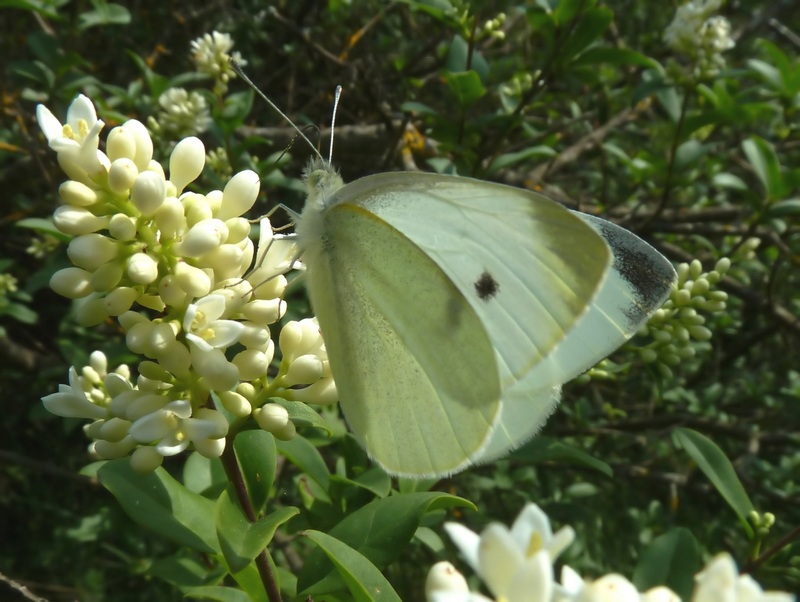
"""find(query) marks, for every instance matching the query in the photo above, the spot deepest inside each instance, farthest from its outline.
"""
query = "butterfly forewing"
(527, 266)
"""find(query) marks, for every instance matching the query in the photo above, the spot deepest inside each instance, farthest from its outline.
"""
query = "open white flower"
(515, 564)
(203, 327)
(71, 401)
(82, 125)
(720, 580)
(77, 140)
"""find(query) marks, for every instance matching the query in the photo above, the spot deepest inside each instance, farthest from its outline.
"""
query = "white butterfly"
(453, 309)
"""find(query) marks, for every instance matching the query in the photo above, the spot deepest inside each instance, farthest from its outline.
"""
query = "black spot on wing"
(486, 286)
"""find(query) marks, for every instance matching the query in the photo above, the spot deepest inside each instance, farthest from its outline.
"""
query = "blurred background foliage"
(581, 100)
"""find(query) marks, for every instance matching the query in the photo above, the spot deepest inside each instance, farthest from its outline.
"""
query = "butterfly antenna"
(336, 96)
(238, 70)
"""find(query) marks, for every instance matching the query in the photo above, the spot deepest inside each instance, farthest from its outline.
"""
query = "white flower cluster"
(516, 565)
(679, 322)
(182, 113)
(211, 54)
(144, 245)
(699, 36)
(8, 284)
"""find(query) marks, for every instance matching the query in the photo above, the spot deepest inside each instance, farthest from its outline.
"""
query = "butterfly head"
(321, 180)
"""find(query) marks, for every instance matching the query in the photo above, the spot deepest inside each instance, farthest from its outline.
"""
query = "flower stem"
(234, 474)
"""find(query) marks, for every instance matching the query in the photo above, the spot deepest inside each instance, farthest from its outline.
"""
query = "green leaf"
(159, 502)
(184, 571)
(784, 208)
(305, 456)
(508, 159)
(592, 25)
(257, 457)
(765, 162)
(458, 59)
(201, 474)
(418, 108)
(241, 541)
(671, 559)
(45, 226)
(378, 530)
(729, 181)
(465, 86)
(302, 415)
(363, 579)
(219, 593)
(719, 470)
(566, 10)
(21, 313)
(104, 13)
(374, 480)
(545, 449)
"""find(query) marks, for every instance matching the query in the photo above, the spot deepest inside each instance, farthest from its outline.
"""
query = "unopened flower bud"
(176, 359)
(271, 417)
(146, 459)
(148, 192)
(186, 162)
(111, 451)
(170, 217)
(196, 208)
(77, 194)
(266, 311)
(305, 370)
(120, 144)
(90, 251)
(77, 220)
(120, 300)
(322, 392)
(252, 364)
(235, 403)
(193, 280)
(171, 293)
(122, 175)
(700, 333)
(239, 195)
(238, 229)
(122, 227)
(203, 237)
(142, 268)
(114, 429)
(72, 283)
(142, 142)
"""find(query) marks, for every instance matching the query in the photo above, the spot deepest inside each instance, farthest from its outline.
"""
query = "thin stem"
(262, 560)
(754, 564)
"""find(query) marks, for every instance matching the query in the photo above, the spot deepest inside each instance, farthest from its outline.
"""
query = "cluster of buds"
(680, 322)
(699, 36)
(171, 265)
(181, 113)
(517, 565)
(211, 56)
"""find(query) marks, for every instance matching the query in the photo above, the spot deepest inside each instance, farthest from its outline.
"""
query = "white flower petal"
(467, 541)
(500, 558)
(533, 580)
(70, 403)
